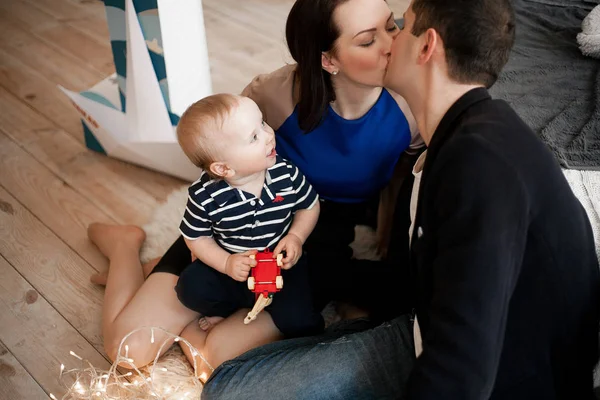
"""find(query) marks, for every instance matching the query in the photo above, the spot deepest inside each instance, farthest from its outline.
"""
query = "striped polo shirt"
(238, 220)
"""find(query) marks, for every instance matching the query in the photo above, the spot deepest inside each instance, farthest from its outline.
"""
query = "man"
(505, 272)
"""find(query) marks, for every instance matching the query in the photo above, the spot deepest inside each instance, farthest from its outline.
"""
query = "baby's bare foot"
(108, 238)
(207, 323)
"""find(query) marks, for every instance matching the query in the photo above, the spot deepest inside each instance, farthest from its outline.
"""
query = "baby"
(247, 199)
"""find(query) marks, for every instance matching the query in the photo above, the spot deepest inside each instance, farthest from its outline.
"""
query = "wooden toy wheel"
(279, 282)
(252, 256)
(280, 260)
(251, 283)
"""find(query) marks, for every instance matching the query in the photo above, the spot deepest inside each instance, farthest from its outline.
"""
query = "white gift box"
(162, 67)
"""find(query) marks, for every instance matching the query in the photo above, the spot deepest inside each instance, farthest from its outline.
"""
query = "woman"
(336, 122)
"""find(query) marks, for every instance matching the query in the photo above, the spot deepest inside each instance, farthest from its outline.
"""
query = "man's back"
(510, 253)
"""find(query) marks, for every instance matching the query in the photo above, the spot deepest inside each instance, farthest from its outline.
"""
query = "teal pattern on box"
(147, 11)
(90, 140)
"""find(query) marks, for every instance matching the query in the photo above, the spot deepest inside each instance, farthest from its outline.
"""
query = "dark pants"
(211, 293)
(380, 287)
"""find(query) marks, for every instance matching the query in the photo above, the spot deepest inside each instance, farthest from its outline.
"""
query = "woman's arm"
(389, 195)
(388, 199)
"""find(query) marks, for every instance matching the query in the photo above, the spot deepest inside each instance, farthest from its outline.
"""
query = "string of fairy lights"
(173, 379)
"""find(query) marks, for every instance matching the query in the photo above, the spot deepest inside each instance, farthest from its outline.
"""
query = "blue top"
(348, 161)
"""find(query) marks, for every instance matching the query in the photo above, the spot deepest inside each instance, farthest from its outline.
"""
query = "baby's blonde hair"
(199, 122)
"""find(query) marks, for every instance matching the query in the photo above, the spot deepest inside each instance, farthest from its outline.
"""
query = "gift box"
(161, 62)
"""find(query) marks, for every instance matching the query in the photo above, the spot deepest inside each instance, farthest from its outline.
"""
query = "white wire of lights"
(174, 381)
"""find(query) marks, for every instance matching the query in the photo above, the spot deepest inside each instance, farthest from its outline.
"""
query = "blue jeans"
(346, 362)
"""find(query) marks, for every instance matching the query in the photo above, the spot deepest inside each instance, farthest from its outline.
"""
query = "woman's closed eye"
(367, 44)
(390, 29)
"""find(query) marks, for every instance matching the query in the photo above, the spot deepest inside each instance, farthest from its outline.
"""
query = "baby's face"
(247, 144)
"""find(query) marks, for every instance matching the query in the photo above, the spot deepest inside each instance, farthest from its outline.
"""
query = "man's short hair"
(477, 34)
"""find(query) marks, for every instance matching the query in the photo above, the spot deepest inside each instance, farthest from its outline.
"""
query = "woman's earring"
(334, 72)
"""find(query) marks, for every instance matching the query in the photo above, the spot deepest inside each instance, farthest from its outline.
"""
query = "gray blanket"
(552, 86)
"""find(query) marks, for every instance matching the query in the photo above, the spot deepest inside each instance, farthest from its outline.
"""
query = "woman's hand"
(238, 265)
(292, 245)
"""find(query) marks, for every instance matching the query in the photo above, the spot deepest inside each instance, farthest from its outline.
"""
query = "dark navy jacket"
(507, 280)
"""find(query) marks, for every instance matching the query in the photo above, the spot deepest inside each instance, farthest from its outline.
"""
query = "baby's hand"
(238, 265)
(292, 245)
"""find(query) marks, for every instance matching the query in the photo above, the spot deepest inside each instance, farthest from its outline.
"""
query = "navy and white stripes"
(238, 220)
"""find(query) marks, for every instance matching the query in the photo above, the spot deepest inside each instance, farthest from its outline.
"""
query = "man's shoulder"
(473, 156)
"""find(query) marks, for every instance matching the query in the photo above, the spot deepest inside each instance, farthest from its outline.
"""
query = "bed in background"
(551, 84)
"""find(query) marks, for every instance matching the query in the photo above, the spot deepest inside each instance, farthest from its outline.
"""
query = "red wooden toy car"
(265, 281)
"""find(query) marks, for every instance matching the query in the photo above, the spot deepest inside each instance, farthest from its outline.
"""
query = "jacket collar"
(452, 116)
(445, 129)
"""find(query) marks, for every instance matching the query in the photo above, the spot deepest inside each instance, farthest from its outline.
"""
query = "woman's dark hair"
(310, 30)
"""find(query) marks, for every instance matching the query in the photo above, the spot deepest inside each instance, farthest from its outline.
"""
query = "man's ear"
(430, 42)
(328, 64)
(221, 169)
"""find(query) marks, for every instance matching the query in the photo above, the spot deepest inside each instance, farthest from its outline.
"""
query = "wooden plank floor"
(52, 187)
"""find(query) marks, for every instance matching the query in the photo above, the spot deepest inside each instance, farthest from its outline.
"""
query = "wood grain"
(15, 381)
(36, 334)
(60, 208)
(113, 186)
(51, 267)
